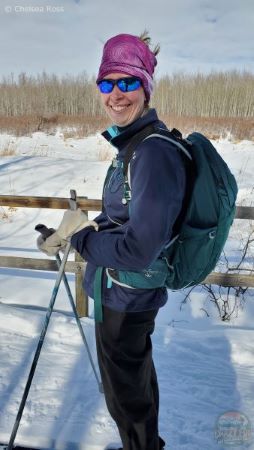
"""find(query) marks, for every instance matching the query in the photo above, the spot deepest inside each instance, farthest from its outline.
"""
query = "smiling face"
(123, 108)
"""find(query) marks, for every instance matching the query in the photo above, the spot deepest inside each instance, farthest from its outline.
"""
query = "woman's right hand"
(52, 244)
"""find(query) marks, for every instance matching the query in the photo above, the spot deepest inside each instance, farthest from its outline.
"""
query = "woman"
(130, 237)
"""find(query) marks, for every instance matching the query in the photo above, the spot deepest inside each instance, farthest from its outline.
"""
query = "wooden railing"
(77, 266)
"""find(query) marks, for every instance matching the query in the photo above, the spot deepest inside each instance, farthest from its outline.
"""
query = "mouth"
(118, 108)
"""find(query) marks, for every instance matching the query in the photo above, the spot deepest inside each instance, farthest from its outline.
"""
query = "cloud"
(194, 34)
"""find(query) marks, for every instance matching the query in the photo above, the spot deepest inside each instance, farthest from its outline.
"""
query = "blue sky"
(67, 36)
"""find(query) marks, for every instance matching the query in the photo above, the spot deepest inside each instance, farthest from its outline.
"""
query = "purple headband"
(127, 54)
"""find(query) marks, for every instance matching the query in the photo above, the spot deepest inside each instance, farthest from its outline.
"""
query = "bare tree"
(218, 94)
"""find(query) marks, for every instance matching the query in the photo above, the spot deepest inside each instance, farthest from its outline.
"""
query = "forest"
(218, 103)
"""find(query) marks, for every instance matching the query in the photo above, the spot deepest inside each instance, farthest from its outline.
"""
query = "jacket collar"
(119, 137)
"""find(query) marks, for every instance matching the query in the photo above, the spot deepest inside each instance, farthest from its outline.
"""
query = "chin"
(121, 122)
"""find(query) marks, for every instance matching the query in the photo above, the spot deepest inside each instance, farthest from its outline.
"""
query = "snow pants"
(129, 379)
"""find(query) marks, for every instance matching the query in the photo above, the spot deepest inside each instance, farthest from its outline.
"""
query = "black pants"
(129, 379)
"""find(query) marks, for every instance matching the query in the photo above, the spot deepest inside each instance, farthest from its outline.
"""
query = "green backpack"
(193, 253)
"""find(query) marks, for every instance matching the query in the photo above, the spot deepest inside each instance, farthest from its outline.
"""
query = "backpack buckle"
(126, 192)
(176, 133)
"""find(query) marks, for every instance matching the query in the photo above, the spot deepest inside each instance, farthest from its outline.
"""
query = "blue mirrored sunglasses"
(127, 84)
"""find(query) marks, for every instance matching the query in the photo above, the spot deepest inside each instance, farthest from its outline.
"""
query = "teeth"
(118, 108)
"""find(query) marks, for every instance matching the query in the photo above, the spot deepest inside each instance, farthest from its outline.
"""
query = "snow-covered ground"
(205, 367)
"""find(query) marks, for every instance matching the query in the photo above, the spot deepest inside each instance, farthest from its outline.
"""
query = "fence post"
(81, 296)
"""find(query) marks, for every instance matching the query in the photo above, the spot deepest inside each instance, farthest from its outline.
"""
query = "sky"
(67, 36)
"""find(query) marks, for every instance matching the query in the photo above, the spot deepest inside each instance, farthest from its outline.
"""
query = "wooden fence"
(77, 266)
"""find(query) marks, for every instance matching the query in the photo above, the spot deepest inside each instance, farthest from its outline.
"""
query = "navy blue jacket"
(131, 237)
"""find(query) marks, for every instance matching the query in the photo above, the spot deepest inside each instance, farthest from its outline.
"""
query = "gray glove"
(51, 245)
(72, 222)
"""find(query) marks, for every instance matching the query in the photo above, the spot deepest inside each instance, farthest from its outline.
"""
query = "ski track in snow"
(197, 379)
(204, 367)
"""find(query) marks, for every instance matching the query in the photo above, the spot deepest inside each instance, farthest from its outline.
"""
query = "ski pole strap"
(98, 294)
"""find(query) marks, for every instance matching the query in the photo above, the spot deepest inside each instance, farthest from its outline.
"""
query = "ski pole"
(46, 232)
(42, 336)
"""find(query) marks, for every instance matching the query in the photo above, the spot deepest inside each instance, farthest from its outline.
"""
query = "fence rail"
(18, 201)
(77, 266)
(18, 262)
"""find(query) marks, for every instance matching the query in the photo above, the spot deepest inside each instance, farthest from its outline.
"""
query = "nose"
(116, 93)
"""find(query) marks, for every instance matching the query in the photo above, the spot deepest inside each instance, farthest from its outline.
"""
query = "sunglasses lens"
(129, 84)
(106, 86)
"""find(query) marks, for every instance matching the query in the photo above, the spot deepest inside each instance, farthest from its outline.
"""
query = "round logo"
(233, 428)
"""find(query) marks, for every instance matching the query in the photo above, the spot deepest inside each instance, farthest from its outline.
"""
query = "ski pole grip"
(73, 200)
(44, 231)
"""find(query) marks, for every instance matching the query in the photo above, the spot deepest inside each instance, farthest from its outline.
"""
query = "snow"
(205, 367)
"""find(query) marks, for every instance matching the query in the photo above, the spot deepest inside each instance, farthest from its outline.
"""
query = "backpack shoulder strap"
(174, 137)
(135, 140)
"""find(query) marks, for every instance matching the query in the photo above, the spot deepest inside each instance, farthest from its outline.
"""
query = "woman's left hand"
(72, 222)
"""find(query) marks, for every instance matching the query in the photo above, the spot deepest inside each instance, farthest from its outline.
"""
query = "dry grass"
(85, 125)
(76, 126)
(19, 126)
(9, 150)
(6, 214)
(213, 127)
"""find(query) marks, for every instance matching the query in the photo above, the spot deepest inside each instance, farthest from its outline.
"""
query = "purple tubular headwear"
(127, 54)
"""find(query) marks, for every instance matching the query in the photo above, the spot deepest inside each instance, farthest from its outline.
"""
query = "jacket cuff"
(80, 236)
